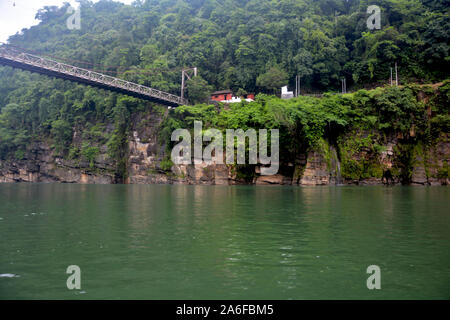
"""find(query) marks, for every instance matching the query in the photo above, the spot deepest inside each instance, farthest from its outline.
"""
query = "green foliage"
(304, 123)
(444, 172)
(166, 165)
(14, 130)
(90, 153)
(273, 79)
(404, 161)
(198, 90)
(235, 43)
(74, 153)
(62, 134)
(19, 154)
(115, 144)
(360, 154)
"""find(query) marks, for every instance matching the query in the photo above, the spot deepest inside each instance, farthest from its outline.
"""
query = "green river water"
(203, 242)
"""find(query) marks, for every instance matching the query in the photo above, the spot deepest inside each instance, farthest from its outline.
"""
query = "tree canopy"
(232, 42)
(249, 46)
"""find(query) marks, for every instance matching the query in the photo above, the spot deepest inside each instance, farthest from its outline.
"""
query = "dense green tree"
(62, 134)
(273, 79)
(198, 90)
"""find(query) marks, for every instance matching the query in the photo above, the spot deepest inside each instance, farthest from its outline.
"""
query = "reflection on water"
(199, 242)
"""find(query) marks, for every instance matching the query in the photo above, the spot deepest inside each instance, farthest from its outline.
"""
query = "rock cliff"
(327, 164)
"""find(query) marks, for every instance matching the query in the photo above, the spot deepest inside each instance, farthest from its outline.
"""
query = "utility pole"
(182, 84)
(189, 74)
(344, 85)
(396, 75)
(391, 78)
(297, 86)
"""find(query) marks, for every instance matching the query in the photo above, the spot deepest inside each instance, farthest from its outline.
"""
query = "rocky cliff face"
(42, 165)
(147, 163)
(430, 165)
(320, 167)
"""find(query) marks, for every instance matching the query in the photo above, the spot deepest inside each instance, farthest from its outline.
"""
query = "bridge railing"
(36, 61)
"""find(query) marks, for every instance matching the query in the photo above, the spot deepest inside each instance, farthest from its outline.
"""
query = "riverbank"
(383, 136)
(318, 167)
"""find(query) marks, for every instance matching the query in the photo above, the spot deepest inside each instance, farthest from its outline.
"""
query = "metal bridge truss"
(18, 59)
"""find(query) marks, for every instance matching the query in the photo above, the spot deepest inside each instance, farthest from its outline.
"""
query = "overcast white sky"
(14, 18)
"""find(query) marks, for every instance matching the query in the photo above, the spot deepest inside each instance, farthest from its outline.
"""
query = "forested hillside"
(235, 43)
(247, 46)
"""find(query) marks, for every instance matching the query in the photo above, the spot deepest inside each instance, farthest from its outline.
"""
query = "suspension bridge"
(17, 58)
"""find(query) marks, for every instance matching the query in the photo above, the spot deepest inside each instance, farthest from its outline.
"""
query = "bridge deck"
(29, 62)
